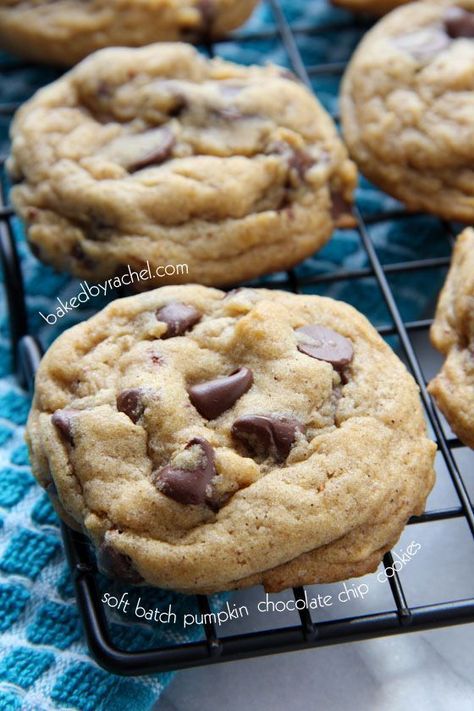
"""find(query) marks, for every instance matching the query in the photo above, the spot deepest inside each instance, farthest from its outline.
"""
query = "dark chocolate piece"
(62, 420)
(130, 402)
(158, 155)
(189, 486)
(459, 22)
(116, 565)
(214, 397)
(301, 162)
(325, 344)
(178, 317)
(267, 435)
(423, 43)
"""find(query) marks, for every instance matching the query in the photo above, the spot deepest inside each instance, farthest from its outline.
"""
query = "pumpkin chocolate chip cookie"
(452, 333)
(408, 107)
(158, 154)
(65, 31)
(208, 441)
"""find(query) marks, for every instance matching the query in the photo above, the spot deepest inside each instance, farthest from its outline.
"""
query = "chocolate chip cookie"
(65, 31)
(208, 441)
(452, 333)
(375, 7)
(158, 154)
(408, 107)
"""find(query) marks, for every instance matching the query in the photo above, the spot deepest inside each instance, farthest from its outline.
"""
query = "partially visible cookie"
(408, 107)
(452, 333)
(375, 7)
(160, 154)
(208, 441)
(65, 31)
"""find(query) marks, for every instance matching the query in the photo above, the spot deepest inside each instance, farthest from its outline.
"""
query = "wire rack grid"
(306, 633)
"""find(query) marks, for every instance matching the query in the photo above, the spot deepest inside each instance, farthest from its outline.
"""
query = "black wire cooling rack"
(306, 633)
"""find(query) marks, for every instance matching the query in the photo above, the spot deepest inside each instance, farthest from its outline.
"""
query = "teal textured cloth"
(44, 663)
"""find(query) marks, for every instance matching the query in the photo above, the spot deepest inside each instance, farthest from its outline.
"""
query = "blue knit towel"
(44, 662)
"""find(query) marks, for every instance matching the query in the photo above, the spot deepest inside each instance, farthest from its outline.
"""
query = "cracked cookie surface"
(159, 154)
(452, 334)
(408, 107)
(65, 31)
(208, 441)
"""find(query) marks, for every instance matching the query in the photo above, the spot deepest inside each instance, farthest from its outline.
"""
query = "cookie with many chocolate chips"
(374, 7)
(408, 107)
(160, 155)
(452, 333)
(65, 31)
(276, 439)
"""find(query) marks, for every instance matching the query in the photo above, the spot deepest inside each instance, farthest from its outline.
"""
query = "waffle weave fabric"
(44, 663)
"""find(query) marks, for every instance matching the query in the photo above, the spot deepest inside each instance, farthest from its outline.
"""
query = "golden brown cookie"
(452, 333)
(158, 154)
(65, 31)
(408, 107)
(208, 441)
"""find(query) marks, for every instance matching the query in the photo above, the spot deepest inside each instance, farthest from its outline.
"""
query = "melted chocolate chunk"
(35, 249)
(325, 344)
(301, 162)
(341, 210)
(214, 397)
(189, 486)
(423, 43)
(229, 113)
(208, 14)
(116, 565)
(158, 155)
(78, 253)
(267, 435)
(52, 491)
(130, 402)
(180, 105)
(178, 317)
(62, 420)
(459, 22)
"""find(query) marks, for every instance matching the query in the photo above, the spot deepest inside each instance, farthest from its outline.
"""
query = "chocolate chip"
(158, 155)
(208, 14)
(78, 253)
(459, 22)
(189, 486)
(51, 490)
(130, 402)
(35, 249)
(325, 344)
(300, 161)
(288, 74)
(229, 113)
(339, 206)
(266, 434)
(423, 43)
(116, 565)
(179, 106)
(178, 317)
(62, 420)
(214, 397)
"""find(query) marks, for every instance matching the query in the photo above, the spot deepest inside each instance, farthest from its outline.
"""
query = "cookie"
(452, 334)
(374, 7)
(65, 31)
(208, 441)
(158, 154)
(408, 107)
